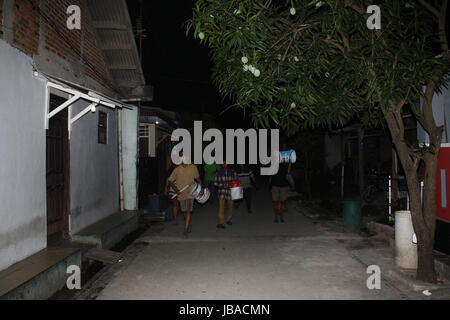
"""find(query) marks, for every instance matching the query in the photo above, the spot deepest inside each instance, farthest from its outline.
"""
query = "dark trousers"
(247, 199)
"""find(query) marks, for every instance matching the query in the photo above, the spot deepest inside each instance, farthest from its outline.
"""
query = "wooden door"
(57, 164)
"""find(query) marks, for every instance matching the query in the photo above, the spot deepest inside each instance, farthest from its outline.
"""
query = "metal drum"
(172, 194)
(205, 197)
(195, 189)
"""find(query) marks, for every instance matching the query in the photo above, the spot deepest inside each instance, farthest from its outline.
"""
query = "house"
(155, 145)
(68, 135)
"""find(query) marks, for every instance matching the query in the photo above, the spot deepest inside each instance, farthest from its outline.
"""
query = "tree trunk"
(423, 217)
(361, 165)
(423, 227)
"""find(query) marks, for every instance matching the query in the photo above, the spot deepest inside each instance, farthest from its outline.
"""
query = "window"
(144, 136)
(102, 127)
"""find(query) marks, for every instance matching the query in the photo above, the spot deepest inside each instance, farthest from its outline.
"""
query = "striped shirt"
(222, 182)
(245, 175)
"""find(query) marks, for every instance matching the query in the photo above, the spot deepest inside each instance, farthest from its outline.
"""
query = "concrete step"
(39, 276)
(109, 231)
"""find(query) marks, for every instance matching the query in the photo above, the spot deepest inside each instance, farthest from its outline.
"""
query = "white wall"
(441, 110)
(130, 119)
(332, 150)
(94, 169)
(23, 225)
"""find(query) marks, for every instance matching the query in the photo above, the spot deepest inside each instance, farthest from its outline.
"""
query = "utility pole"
(140, 31)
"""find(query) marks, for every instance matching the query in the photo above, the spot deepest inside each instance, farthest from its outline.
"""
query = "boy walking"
(184, 175)
(246, 177)
(223, 178)
(280, 190)
(210, 176)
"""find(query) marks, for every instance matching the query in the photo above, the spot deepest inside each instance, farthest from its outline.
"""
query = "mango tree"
(299, 64)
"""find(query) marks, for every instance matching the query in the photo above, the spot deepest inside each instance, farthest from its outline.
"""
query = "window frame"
(101, 127)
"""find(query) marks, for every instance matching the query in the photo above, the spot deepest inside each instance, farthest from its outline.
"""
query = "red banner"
(443, 184)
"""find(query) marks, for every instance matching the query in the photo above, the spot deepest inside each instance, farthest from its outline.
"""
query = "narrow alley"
(252, 259)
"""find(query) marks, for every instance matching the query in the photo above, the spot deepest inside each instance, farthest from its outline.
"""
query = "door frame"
(65, 223)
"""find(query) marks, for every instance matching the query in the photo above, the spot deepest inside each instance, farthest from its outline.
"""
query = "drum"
(288, 156)
(195, 189)
(237, 192)
(205, 197)
(172, 194)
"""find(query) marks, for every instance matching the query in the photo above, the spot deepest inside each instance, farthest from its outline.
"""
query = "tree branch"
(354, 7)
(289, 46)
(346, 42)
(429, 7)
(427, 107)
(442, 25)
(336, 45)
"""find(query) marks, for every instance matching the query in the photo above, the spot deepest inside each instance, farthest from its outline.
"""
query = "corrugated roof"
(116, 40)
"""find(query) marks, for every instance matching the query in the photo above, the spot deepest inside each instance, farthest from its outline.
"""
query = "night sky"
(177, 65)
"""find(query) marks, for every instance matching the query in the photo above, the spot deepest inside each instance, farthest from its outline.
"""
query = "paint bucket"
(288, 156)
(195, 189)
(236, 190)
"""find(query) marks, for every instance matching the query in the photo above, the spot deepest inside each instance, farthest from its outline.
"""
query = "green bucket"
(352, 215)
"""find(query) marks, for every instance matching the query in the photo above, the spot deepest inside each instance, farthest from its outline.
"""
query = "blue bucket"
(154, 203)
(352, 215)
(288, 156)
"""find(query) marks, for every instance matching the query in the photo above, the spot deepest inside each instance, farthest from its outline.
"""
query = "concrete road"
(253, 259)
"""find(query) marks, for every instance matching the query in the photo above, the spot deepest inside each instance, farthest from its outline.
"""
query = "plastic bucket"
(288, 156)
(352, 215)
(237, 192)
(405, 248)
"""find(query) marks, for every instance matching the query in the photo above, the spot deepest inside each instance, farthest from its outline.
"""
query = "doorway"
(57, 174)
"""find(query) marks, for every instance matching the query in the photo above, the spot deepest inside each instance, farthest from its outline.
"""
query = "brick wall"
(77, 46)
(26, 26)
(58, 38)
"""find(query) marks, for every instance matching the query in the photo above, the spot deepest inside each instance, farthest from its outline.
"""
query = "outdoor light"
(157, 122)
(93, 109)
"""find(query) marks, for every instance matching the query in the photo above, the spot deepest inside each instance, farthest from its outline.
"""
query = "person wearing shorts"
(185, 175)
(280, 191)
